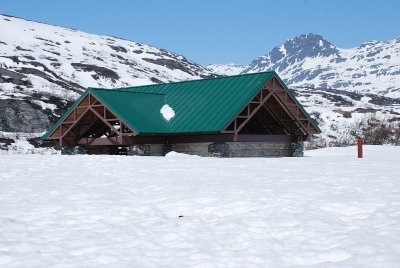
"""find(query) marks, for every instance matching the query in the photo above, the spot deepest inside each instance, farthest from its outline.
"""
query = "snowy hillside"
(227, 69)
(42, 67)
(328, 209)
(87, 59)
(339, 111)
(310, 61)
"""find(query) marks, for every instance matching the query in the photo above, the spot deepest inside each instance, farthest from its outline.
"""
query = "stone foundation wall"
(239, 149)
(258, 149)
(147, 149)
(200, 149)
(207, 149)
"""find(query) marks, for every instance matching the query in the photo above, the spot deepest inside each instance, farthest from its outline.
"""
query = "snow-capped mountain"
(227, 69)
(44, 67)
(312, 62)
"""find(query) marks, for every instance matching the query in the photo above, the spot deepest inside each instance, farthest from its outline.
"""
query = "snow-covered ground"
(328, 209)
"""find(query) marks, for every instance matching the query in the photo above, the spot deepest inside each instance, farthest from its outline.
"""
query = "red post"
(360, 149)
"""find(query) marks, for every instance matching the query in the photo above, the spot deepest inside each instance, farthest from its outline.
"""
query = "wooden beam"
(277, 119)
(74, 124)
(88, 127)
(263, 100)
(289, 112)
(105, 121)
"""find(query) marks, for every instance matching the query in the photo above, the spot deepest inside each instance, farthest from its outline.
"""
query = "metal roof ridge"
(126, 90)
(189, 81)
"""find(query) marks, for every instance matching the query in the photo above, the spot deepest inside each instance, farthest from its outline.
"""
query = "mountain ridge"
(309, 60)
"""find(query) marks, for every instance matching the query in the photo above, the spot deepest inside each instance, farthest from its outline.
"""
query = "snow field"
(328, 209)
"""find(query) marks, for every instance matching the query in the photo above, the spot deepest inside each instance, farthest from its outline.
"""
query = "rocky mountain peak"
(309, 45)
(294, 50)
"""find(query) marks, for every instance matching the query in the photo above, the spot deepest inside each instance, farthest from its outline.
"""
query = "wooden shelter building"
(242, 115)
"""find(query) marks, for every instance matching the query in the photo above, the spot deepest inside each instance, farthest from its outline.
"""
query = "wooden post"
(359, 146)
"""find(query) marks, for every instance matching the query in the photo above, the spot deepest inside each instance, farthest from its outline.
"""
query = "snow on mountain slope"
(310, 61)
(226, 69)
(328, 209)
(44, 66)
(87, 59)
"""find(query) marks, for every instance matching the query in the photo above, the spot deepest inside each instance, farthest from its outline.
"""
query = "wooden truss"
(90, 119)
(272, 111)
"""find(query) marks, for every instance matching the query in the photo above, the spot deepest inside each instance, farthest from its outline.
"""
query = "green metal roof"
(206, 105)
(200, 106)
(141, 111)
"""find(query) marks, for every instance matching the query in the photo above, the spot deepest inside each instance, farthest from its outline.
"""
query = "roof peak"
(125, 89)
(186, 81)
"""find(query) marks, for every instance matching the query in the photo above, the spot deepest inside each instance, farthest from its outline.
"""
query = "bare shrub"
(372, 129)
(396, 135)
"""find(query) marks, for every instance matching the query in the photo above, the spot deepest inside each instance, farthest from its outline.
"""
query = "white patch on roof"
(167, 112)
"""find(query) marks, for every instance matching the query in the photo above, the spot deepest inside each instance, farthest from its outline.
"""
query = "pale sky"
(219, 31)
